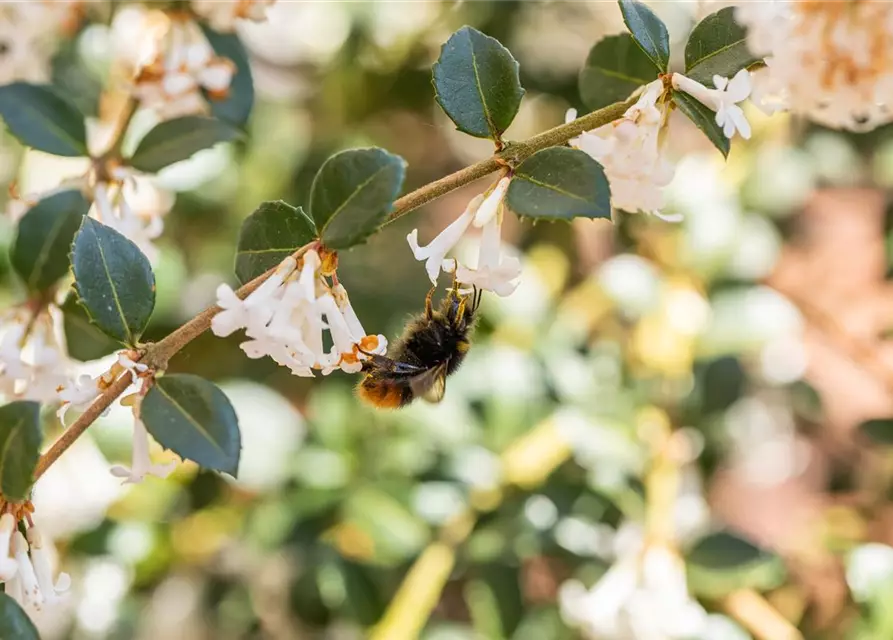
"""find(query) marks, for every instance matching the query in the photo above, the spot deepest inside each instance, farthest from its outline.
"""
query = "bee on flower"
(285, 318)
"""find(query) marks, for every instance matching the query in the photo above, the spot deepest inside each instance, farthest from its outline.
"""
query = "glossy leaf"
(14, 622)
(616, 67)
(724, 562)
(878, 430)
(39, 254)
(41, 118)
(175, 140)
(114, 281)
(274, 231)
(560, 183)
(352, 194)
(237, 105)
(83, 339)
(648, 30)
(717, 46)
(20, 438)
(704, 119)
(193, 418)
(477, 84)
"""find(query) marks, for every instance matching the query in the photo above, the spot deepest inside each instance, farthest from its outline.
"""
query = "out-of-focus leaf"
(878, 430)
(364, 598)
(83, 339)
(477, 84)
(717, 46)
(236, 107)
(20, 439)
(352, 194)
(193, 418)
(14, 622)
(71, 78)
(396, 533)
(114, 281)
(495, 600)
(41, 118)
(704, 119)
(274, 231)
(616, 67)
(178, 139)
(648, 30)
(724, 562)
(560, 183)
(40, 251)
(723, 382)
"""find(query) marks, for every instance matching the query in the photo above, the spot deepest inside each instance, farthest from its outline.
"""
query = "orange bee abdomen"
(384, 394)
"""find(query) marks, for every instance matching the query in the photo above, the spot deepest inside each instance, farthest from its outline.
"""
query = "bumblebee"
(432, 347)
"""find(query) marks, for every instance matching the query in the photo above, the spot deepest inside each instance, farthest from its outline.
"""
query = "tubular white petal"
(141, 463)
(350, 316)
(233, 317)
(30, 587)
(8, 566)
(44, 570)
(490, 205)
(435, 252)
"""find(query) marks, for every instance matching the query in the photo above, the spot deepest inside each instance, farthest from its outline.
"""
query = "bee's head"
(461, 308)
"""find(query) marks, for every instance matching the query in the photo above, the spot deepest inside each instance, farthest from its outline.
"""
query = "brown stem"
(157, 355)
(512, 155)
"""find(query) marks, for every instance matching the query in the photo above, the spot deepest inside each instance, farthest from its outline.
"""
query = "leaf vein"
(192, 421)
(117, 300)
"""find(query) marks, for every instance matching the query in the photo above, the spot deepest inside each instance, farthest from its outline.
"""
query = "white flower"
(631, 153)
(8, 566)
(494, 270)
(28, 574)
(830, 61)
(25, 580)
(723, 99)
(223, 16)
(141, 464)
(348, 336)
(33, 360)
(120, 215)
(49, 588)
(172, 83)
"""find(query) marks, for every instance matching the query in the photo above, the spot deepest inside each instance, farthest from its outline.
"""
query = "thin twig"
(157, 355)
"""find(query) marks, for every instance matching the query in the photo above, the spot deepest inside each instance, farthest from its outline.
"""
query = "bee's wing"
(430, 385)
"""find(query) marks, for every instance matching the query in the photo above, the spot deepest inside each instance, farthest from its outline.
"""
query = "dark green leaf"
(14, 622)
(194, 419)
(704, 119)
(477, 84)
(648, 30)
(495, 600)
(616, 67)
(274, 231)
(114, 281)
(40, 118)
(717, 46)
(20, 438)
(723, 562)
(723, 382)
(352, 194)
(43, 241)
(365, 601)
(236, 107)
(878, 430)
(560, 183)
(175, 140)
(83, 339)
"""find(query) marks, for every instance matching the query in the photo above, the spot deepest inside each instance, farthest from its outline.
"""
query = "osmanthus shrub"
(84, 253)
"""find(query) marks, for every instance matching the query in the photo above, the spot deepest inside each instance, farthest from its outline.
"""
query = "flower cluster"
(286, 315)
(113, 208)
(33, 360)
(223, 16)
(494, 271)
(185, 69)
(632, 148)
(26, 566)
(29, 35)
(830, 61)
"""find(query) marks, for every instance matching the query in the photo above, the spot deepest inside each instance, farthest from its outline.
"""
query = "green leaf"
(42, 119)
(175, 140)
(477, 84)
(396, 533)
(723, 562)
(616, 67)
(114, 281)
(878, 430)
(40, 251)
(20, 439)
(274, 231)
(704, 119)
(717, 46)
(83, 339)
(649, 32)
(236, 108)
(559, 183)
(14, 622)
(194, 419)
(352, 194)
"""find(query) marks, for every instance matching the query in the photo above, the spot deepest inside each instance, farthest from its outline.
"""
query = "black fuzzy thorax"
(442, 338)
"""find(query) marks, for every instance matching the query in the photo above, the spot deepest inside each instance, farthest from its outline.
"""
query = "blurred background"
(720, 389)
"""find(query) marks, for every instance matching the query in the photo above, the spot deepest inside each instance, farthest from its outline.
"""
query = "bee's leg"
(429, 310)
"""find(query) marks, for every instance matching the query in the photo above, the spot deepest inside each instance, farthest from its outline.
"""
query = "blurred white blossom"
(26, 568)
(222, 16)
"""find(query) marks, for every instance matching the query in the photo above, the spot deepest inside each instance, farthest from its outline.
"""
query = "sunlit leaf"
(648, 30)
